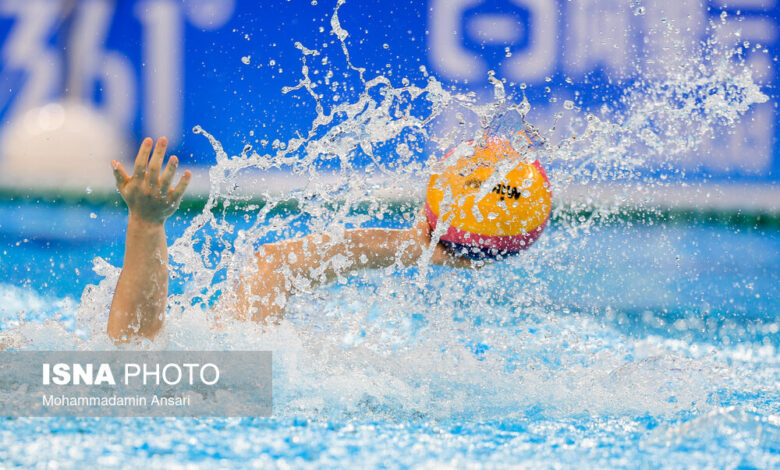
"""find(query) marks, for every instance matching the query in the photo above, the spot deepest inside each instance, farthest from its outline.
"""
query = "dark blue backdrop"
(161, 66)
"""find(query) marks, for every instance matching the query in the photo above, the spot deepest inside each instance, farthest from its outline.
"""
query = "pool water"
(615, 341)
(643, 343)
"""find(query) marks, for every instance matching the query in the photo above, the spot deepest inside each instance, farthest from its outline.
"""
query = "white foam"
(429, 341)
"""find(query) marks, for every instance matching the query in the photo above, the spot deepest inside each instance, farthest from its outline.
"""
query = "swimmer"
(138, 306)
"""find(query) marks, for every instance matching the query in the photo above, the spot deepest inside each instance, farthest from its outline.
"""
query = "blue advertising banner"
(162, 67)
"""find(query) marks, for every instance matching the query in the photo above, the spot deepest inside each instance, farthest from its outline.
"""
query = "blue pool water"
(612, 342)
(640, 344)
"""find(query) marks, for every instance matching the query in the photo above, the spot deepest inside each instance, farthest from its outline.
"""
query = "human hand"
(148, 194)
(441, 255)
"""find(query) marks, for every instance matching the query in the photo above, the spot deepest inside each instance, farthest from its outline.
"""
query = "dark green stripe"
(741, 218)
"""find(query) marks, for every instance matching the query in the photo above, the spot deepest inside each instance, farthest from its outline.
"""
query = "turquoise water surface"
(644, 343)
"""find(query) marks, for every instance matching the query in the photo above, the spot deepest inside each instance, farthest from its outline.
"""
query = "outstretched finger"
(167, 177)
(155, 163)
(142, 158)
(120, 174)
(178, 192)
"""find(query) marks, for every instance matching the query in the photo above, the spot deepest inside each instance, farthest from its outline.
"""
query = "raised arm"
(290, 266)
(139, 301)
(282, 268)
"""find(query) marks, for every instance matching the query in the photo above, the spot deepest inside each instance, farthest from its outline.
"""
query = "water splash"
(424, 341)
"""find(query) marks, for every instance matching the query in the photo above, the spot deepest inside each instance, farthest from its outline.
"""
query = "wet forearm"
(321, 258)
(290, 266)
(380, 248)
(139, 301)
(293, 265)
